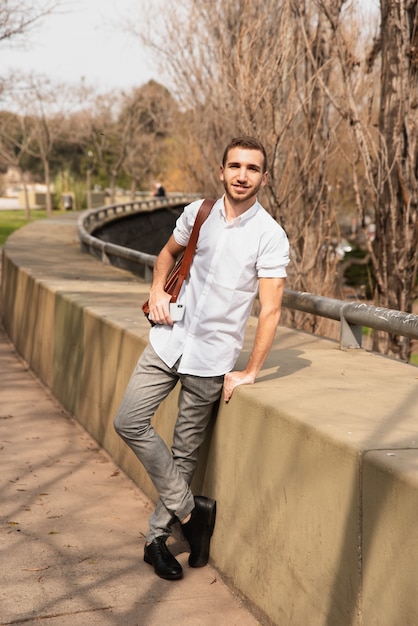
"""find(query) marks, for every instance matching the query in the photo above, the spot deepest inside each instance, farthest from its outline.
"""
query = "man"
(158, 190)
(240, 250)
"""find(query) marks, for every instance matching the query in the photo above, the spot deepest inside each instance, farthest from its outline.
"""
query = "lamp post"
(90, 166)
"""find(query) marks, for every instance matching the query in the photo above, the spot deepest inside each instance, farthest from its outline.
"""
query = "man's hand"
(270, 294)
(159, 300)
(234, 379)
(159, 308)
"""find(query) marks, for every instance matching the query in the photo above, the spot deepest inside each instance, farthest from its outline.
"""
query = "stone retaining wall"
(314, 468)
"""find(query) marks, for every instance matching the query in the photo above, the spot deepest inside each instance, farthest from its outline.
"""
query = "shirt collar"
(248, 214)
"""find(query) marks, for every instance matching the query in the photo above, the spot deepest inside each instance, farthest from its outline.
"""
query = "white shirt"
(221, 287)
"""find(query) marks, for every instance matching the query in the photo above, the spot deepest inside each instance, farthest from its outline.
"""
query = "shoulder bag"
(181, 268)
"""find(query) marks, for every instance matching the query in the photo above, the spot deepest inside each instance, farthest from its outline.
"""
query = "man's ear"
(221, 172)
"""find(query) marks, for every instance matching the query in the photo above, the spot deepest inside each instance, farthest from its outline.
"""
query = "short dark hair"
(246, 142)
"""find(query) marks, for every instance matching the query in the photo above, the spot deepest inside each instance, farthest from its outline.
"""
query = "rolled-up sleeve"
(184, 223)
(274, 254)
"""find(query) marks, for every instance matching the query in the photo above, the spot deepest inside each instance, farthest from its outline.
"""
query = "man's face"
(242, 175)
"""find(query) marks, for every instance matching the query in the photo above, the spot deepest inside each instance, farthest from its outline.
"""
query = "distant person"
(158, 190)
(241, 250)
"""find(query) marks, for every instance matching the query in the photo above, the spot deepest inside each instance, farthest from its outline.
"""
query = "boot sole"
(202, 558)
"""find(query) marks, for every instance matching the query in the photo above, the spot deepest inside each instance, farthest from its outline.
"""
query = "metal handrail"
(93, 219)
(351, 315)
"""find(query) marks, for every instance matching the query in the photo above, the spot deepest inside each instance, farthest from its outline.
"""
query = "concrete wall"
(314, 468)
(35, 198)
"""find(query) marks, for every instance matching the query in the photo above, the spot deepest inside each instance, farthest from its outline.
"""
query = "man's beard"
(241, 197)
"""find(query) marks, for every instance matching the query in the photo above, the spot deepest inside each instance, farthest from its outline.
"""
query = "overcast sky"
(82, 40)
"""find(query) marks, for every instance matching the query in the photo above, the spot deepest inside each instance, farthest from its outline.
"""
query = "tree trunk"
(48, 197)
(396, 240)
(133, 189)
(88, 185)
(112, 187)
(26, 195)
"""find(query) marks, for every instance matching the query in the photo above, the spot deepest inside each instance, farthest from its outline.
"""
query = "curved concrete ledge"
(315, 467)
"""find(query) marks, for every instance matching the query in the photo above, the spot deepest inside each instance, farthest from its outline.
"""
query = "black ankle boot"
(165, 564)
(199, 529)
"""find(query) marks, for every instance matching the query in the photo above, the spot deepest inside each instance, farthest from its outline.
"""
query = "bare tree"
(17, 17)
(303, 155)
(394, 250)
(148, 113)
(108, 137)
(384, 152)
(77, 130)
(259, 68)
(13, 146)
(41, 115)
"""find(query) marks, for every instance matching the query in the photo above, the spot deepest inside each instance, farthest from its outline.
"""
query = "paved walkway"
(72, 527)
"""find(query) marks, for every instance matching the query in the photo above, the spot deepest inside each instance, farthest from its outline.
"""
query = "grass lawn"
(12, 220)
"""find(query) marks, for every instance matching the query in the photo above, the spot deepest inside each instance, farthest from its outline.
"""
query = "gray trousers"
(171, 472)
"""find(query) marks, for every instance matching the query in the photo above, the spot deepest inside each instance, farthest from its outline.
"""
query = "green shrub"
(357, 275)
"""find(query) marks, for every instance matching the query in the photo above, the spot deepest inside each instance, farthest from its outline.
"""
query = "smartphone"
(176, 311)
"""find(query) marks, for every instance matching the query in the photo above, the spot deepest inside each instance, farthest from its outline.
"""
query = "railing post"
(350, 334)
(148, 274)
(105, 258)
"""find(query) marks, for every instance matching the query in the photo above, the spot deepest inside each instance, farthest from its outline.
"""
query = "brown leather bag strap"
(203, 213)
